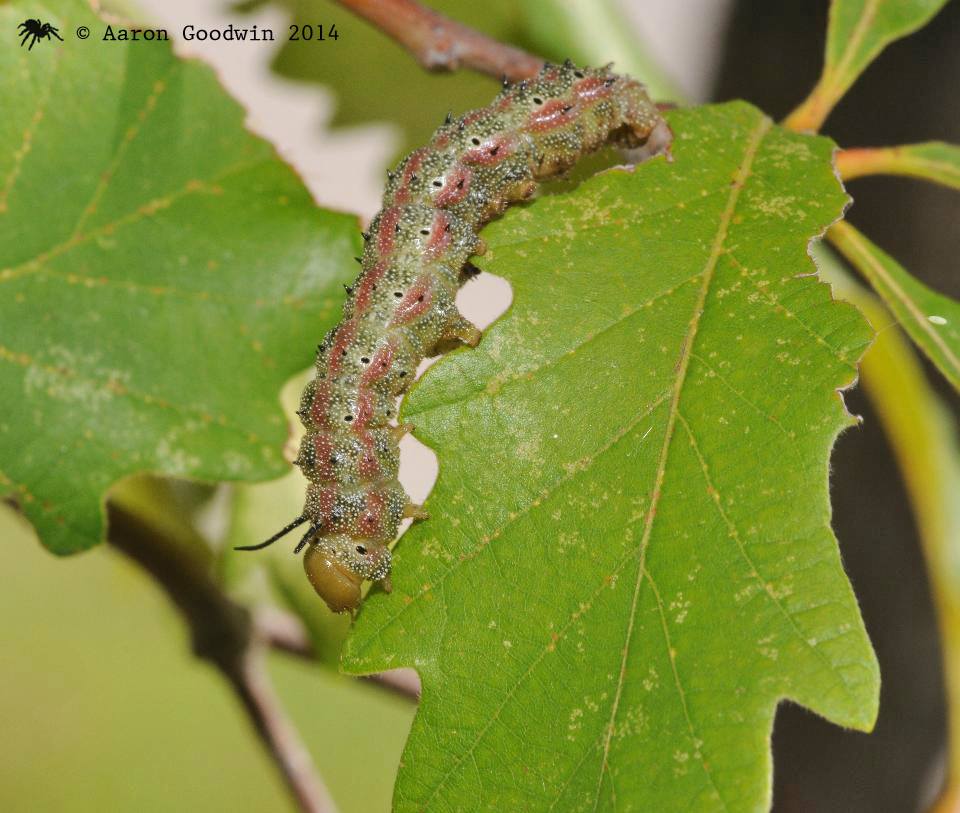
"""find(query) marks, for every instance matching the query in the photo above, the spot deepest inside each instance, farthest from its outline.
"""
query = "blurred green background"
(102, 706)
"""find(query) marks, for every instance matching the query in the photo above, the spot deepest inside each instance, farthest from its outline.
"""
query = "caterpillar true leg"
(462, 330)
(400, 430)
(415, 512)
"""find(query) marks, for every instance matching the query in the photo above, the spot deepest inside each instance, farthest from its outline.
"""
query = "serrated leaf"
(162, 273)
(857, 33)
(932, 320)
(630, 561)
(934, 161)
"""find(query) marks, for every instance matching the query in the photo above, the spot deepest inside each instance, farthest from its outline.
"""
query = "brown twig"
(286, 633)
(253, 687)
(224, 633)
(441, 44)
(404, 682)
(283, 632)
(235, 641)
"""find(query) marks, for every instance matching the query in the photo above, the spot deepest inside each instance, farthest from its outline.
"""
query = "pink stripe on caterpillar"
(368, 466)
(387, 234)
(554, 114)
(440, 237)
(414, 162)
(492, 151)
(368, 284)
(370, 523)
(416, 302)
(592, 88)
(338, 352)
(364, 411)
(456, 187)
(473, 116)
(379, 365)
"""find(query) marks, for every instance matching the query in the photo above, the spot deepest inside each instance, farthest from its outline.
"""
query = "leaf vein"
(765, 587)
(778, 307)
(141, 117)
(35, 264)
(524, 373)
(740, 178)
(696, 742)
(20, 155)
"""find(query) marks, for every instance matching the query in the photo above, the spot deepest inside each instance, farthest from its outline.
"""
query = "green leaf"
(932, 320)
(629, 561)
(858, 31)
(934, 161)
(364, 65)
(162, 273)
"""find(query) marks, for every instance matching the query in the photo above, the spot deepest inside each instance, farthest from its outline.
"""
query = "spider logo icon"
(34, 30)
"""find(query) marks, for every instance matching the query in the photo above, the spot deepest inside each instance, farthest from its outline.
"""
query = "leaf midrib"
(683, 363)
(838, 80)
(743, 172)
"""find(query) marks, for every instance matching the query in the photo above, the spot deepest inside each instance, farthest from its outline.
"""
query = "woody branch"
(441, 44)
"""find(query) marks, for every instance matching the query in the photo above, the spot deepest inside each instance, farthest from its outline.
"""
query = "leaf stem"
(812, 112)
(922, 434)
(857, 31)
(934, 161)
(924, 443)
(441, 44)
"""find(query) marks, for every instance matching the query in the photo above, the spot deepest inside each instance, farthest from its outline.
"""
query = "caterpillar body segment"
(402, 308)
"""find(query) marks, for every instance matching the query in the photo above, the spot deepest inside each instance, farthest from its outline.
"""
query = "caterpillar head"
(337, 566)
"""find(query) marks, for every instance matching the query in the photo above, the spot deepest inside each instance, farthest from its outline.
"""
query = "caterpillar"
(401, 308)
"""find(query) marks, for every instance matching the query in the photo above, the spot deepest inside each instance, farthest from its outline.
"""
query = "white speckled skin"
(401, 307)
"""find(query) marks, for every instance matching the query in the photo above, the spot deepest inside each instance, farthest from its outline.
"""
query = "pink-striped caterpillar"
(401, 308)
